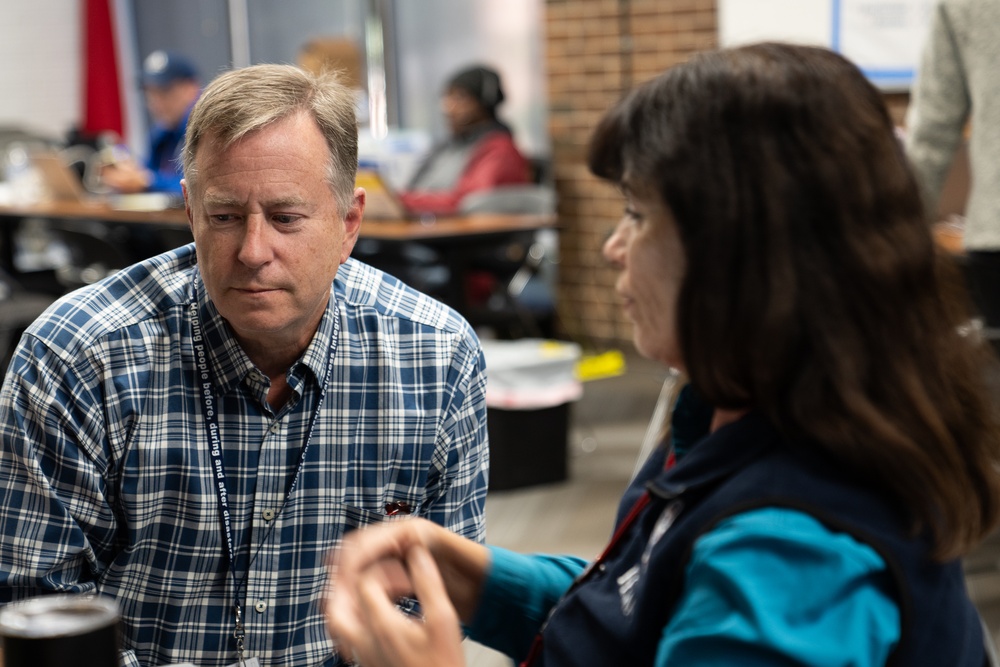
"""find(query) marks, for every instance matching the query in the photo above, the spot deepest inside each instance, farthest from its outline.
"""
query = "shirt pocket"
(356, 517)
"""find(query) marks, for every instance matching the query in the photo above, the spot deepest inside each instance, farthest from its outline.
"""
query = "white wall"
(40, 75)
(40, 52)
(882, 37)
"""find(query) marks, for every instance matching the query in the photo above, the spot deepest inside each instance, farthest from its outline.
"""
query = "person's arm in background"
(495, 161)
(164, 162)
(56, 493)
(126, 176)
(939, 108)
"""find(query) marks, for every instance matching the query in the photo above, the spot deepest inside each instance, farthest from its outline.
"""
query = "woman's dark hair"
(814, 291)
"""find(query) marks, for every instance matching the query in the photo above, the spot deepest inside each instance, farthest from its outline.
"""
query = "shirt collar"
(319, 354)
(718, 455)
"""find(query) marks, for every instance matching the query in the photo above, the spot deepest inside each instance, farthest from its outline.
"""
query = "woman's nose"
(613, 249)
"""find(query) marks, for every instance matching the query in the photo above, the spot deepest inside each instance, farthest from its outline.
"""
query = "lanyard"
(640, 504)
(210, 407)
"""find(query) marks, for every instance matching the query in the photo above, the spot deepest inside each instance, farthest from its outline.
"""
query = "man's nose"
(255, 249)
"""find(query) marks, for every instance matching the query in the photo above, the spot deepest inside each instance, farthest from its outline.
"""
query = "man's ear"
(187, 204)
(352, 223)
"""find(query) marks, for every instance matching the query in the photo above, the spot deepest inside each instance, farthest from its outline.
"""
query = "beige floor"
(607, 428)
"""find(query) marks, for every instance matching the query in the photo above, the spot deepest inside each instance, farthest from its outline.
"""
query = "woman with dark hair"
(774, 248)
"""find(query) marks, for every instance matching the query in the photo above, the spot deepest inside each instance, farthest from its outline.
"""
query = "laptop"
(382, 202)
(61, 183)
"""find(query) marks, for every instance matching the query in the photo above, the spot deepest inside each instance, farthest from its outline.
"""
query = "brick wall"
(595, 51)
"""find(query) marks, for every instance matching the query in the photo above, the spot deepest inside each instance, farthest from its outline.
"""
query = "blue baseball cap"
(161, 68)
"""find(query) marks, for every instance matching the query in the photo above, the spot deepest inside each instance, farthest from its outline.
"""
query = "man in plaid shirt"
(193, 434)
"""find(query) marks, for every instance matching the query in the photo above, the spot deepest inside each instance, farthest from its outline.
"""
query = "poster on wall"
(883, 37)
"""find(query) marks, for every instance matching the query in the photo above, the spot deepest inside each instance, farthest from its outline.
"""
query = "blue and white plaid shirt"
(106, 478)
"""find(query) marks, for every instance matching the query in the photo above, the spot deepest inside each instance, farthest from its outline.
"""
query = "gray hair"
(244, 100)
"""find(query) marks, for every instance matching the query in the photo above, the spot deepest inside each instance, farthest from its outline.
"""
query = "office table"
(11, 216)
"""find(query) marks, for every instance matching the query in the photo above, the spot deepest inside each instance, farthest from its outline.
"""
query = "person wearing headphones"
(480, 154)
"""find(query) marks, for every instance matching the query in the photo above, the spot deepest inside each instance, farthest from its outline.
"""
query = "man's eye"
(285, 219)
(223, 217)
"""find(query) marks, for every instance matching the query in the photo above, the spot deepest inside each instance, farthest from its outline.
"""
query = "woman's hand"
(383, 636)
(377, 565)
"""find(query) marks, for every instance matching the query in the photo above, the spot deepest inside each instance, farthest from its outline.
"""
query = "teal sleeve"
(776, 587)
(517, 596)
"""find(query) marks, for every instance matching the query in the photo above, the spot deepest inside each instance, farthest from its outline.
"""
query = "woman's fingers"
(369, 552)
(399, 640)
(369, 572)
(364, 546)
(344, 621)
(389, 642)
(430, 590)
(444, 633)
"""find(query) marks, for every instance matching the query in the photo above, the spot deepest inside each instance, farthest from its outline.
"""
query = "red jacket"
(494, 161)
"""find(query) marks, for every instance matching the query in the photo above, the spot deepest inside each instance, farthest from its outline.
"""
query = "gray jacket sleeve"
(939, 108)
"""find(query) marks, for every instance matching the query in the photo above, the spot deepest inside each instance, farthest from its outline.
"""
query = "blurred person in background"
(170, 84)
(958, 89)
(480, 153)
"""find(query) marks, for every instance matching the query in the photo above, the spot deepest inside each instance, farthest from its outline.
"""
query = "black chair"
(18, 309)
(93, 252)
(520, 271)
(981, 272)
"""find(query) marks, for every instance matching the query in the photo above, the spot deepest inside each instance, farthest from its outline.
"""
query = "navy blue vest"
(743, 466)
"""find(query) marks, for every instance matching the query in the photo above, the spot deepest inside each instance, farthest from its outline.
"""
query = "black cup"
(61, 630)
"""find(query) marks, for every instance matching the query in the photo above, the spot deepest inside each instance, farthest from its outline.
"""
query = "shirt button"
(268, 515)
(275, 427)
(260, 607)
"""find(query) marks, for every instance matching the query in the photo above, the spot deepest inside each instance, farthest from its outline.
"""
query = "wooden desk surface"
(96, 211)
(389, 230)
(440, 228)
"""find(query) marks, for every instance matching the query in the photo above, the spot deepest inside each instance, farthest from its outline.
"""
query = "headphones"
(489, 92)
